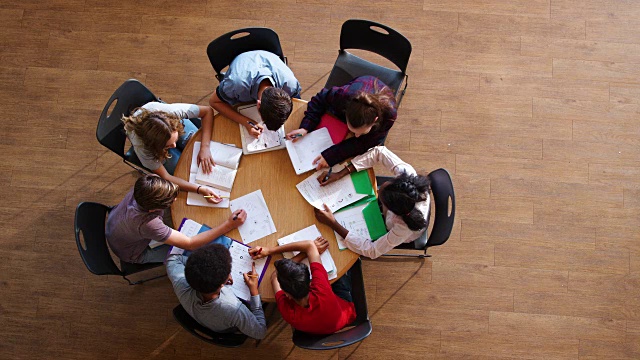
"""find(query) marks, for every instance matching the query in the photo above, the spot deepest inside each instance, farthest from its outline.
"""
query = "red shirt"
(326, 314)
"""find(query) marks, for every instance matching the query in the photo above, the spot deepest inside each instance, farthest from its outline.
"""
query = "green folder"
(372, 216)
(361, 183)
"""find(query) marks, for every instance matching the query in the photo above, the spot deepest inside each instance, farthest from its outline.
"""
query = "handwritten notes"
(306, 149)
(259, 222)
(336, 195)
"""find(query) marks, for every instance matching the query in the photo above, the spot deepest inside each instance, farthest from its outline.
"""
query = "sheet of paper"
(242, 263)
(220, 177)
(259, 222)
(336, 195)
(310, 233)
(189, 228)
(199, 200)
(226, 155)
(306, 149)
(268, 140)
(352, 220)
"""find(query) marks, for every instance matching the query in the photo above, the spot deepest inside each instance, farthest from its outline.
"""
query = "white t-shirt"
(184, 111)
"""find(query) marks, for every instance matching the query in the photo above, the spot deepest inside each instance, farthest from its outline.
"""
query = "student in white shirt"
(405, 203)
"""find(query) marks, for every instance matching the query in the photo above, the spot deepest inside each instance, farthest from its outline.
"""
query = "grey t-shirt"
(223, 314)
(184, 111)
(247, 70)
(130, 229)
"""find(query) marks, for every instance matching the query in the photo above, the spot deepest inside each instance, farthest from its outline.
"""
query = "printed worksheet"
(259, 222)
(352, 220)
(306, 149)
(336, 195)
(310, 233)
(242, 263)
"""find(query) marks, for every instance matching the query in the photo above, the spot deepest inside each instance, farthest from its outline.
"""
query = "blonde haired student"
(159, 132)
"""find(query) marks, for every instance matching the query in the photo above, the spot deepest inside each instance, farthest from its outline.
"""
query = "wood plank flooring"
(532, 106)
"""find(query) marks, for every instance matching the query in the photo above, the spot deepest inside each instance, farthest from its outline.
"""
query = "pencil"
(212, 196)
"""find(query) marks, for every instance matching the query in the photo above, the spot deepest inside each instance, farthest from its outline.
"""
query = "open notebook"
(197, 199)
(268, 141)
(307, 148)
(241, 262)
(310, 233)
(227, 159)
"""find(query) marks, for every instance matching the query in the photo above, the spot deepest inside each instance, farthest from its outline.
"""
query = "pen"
(328, 174)
(253, 125)
(212, 196)
(296, 136)
(235, 217)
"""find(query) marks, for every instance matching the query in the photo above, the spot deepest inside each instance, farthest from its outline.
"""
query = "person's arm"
(227, 110)
(204, 156)
(187, 186)
(175, 272)
(308, 247)
(251, 321)
(274, 282)
(318, 105)
(191, 243)
(382, 155)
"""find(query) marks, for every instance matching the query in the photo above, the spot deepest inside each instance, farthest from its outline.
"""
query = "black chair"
(203, 333)
(90, 221)
(110, 132)
(442, 191)
(225, 48)
(361, 327)
(379, 39)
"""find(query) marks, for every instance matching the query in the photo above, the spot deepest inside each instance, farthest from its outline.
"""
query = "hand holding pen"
(237, 218)
(255, 130)
(296, 135)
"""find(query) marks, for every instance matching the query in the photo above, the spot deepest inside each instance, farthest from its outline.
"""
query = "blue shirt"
(247, 70)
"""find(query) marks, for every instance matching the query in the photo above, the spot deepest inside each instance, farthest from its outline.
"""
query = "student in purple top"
(137, 220)
(365, 104)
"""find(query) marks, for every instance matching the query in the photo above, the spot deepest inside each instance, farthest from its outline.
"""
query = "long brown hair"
(154, 128)
(152, 192)
(365, 107)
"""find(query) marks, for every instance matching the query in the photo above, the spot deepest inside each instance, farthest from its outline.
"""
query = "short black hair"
(275, 107)
(294, 278)
(208, 268)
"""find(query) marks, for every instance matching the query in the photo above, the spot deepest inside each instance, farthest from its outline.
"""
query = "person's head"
(158, 130)
(366, 111)
(208, 268)
(275, 106)
(294, 278)
(401, 194)
(152, 192)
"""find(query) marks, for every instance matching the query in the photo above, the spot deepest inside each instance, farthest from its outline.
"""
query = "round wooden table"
(273, 173)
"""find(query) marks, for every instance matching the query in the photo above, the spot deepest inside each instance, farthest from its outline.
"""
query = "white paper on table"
(307, 148)
(259, 222)
(353, 220)
(199, 200)
(336, 195)
(227, 155)
(242, 263)
(268, 140)
(310, 233)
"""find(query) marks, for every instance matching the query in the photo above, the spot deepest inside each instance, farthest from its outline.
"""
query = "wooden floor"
(532, 106)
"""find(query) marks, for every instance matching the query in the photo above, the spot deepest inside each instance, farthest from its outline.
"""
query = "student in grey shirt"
(257, 76)
(199, 282)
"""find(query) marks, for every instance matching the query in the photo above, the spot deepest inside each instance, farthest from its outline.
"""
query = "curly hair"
(294, 278)
(155, 129)
(152, 192)
(364, 108)
(208, 268)
(401, 194)
(275, 107)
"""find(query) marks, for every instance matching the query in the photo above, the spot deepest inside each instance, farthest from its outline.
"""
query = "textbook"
(310, 233)
(241, 262)
(223, 174)
(307, 148)
(364, 218)
(338, 194)
(268, 141)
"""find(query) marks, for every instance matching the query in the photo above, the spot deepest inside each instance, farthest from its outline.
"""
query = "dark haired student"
(365, 104)
(309, 303)
(405, 203)
(199, 282)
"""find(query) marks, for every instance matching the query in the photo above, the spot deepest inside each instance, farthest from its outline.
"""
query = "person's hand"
(255, 130)
(320, 162)
(259, 252)
(325, 216)
(296, 135)
(335, 176)
(321, 244)
(205, 160)
(237, 218)
(251, 279)
(207, 191)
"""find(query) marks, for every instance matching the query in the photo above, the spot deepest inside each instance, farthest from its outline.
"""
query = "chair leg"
(136, 167)
(420, 256)
(143, 280)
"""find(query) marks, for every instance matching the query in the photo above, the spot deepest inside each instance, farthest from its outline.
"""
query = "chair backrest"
(205, 334)
(225, 48)
(130, 95)
(90, 224)
(442, 190)
(361, 326)
(370, 36)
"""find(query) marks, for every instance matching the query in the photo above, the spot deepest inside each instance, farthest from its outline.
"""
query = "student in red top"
(309, 305)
